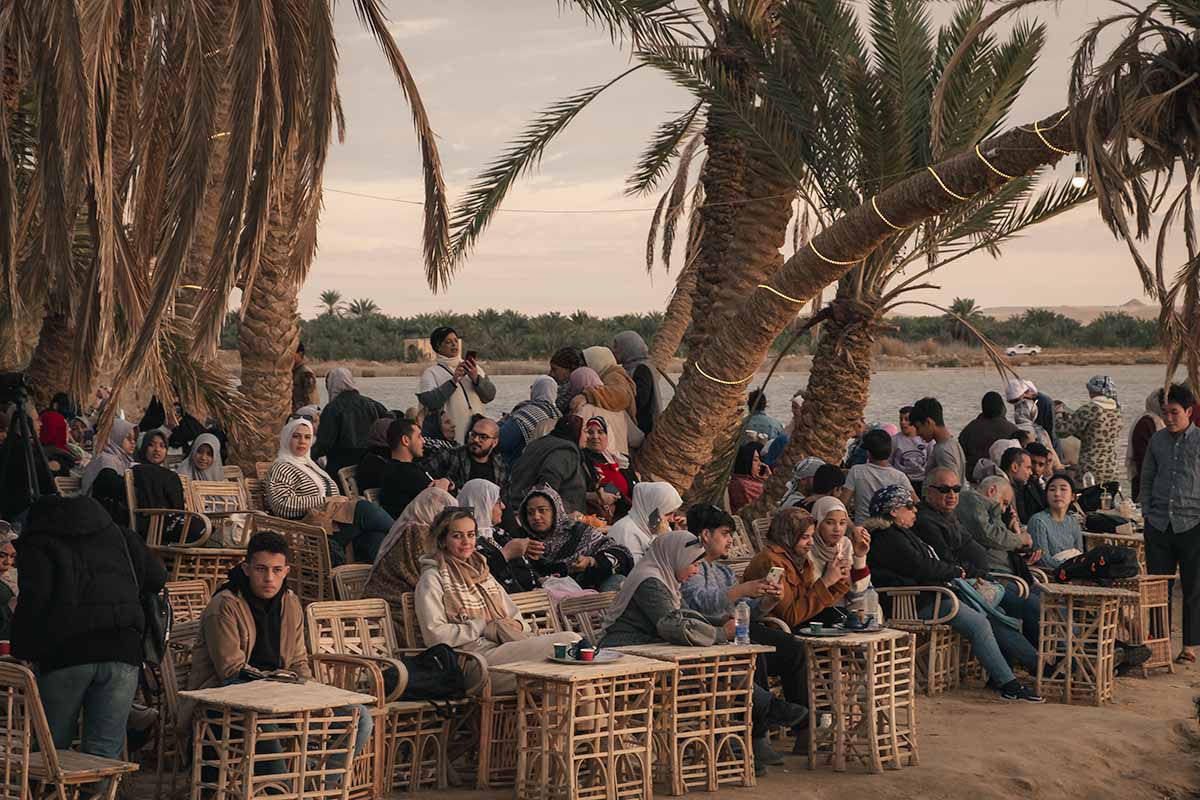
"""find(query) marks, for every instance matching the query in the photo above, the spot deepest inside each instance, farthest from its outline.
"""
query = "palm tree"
(961, 313)
(363, 307)
(331, 302)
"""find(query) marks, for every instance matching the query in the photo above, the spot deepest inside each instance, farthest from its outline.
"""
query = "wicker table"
(703, 723)
(1136, 542)
(1146, 618)
(312, 731)
(867, 681)
(1077, 638)
(585, 732)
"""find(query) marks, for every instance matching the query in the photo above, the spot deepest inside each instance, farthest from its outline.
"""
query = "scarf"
(538, 408)
(377, 438)
(585, 378)
(591, 541)
(54, 430)
(339, 380)
(630, 349)
(652, 501)
(215, 471)
(412, 527)
(304, 463)
(111, 457)
(469, 592)
(480, 496)
(465, 402)
(600, 359)
(807, 468)
(1102, 385)
(822, 553)
(666, 556)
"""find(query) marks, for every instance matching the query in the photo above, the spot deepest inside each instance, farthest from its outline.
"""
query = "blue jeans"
(1027, 609)
(371, 524)
(994, 643)
(103, 692)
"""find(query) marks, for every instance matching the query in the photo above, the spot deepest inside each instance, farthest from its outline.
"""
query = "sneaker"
(785, 715)
(1015, 690)
(764, 754)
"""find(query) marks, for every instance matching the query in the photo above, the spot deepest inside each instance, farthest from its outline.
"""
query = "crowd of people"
(473, 507)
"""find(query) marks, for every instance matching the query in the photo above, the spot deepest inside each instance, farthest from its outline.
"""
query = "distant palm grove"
(358, 330)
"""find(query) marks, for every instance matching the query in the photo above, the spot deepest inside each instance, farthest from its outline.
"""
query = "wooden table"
(306, 728)
(704, 713)
(867, 682)
(1136, 542)
(585, 732)
(1077, 639)
(1146, 619)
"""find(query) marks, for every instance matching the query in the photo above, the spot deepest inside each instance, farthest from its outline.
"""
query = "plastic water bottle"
(741, 622)
(1088, 480)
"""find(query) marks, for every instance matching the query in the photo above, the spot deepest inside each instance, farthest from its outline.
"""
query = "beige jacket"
(226, 639)
(436, 628)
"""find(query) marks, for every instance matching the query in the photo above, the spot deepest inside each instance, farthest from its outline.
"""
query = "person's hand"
(1034, 557)
(337, 500)
(460, 371)
(578, 402)
(1026, 539)
(472, 371)
(730, 628)
(608, 498)
(582, 564)
(836, 570)
(756, 588)
(764, 472)
(442, 483)
(516, 548)
(534, 549)
(962, 573)
(862, 541)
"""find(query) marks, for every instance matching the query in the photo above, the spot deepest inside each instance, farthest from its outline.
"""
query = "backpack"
(1101, 563)
(433, 674)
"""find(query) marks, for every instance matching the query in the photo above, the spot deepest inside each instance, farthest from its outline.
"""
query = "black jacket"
(79, 601)
(1029, 498)
(345, 427)
(898, 557)
(944, 533)
(455, 463)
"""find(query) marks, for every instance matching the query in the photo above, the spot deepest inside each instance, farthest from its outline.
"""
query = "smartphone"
(472, 356)
(775, 575)
(611, 488)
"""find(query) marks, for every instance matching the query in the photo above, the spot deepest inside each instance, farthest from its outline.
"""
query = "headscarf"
(666, 555)
(1025, 413)
(600, 359)
(308, 412)
(1015, 388)
(540, 407)
(807, 468)
(591, 542)
(543, 389)
(650, 499)
(304, 463)
(377, 436)
(1155, 411)
(585, 378)
(413, 525)
(481, 496)
(821, 553)
(630, 349)
(744, 462)
(111, 457)
(570, 428)
(1000, 447)
(888, 499)
(1102, 385)
(140, 456)
(339, 380)
(439, 335)
(54, 430)
(215, 471)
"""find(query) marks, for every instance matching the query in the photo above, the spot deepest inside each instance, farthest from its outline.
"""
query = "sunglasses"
(946, 489)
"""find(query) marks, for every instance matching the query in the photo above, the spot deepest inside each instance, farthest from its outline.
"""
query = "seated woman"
(82, 434)
(397, 568)
(571, 549)
(621, 438)
(296, 487)
(460, 604)
(55, 440)
(616, 391)
(899, 558)
(155, 486)
(749, 476)
(507, 556)
(371, 468)
(104, 477)
(654, 506)
(203, 462)
(609, 484)
(804, 592)
(531, 419)
(446, 438)
(831, 543)
(1055, 531)
(650, 609)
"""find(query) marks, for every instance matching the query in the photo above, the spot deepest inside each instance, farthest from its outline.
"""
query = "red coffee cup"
(5, 647)
(586, 653)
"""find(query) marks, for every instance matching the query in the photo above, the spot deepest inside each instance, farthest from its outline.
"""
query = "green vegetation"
(512, 336)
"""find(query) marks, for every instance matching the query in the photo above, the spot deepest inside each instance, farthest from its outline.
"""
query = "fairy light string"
(715, 379)
(886, 221)
(992, 166)
(946, 188)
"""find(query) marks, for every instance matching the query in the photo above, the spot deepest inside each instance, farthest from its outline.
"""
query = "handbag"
(156, 609)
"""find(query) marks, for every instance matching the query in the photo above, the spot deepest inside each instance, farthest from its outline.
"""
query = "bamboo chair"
(218, 497)
(30, 760)
(254, 494)
(584, 613)
(537, 610)
(738, 565)
(68, 485)
(311, 573)
(1021, 586)
(261, 468)
(173, 674)
(233, 473)
(411, 630)
(347, 477)
(741, 547)
(156, 519)
(938, 652)
(372, 495)
(758, 532)
(188, 600)
(209, 564)
(349, 580)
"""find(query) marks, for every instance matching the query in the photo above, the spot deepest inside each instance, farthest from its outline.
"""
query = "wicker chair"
(349, 580)
(30, 759)
(347, 477)
(584, 613)
(188, 600)
(156, 519)
(738, 565)
(233, 473)
(311, 573)
(741, 547)
(173, 675)
(537, 610)
(254, 494)
(758, 532)
(372, 495)
(68, 485)
(209, 564)
(261, 468)
(218, 497)
(938, 646)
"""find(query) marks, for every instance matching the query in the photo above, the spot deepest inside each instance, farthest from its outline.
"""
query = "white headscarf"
(821, 553)
(111, 457)
(667, 554)
(543, 388)
(305, 462)
(481, 496)
(601, 359)
(339, 380)
(215, 471)
(634, 530)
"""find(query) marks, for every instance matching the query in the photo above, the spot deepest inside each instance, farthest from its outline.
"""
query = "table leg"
(840, 722)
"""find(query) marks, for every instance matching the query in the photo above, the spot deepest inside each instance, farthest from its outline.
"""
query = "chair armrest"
(945, 602)
(776, 622)
(163, 512)
(352, 673)
(1039, 575)
(1015, 580)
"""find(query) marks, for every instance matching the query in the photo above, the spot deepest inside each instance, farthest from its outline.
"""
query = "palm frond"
(676, 204)
(641, 21)
(662, 149)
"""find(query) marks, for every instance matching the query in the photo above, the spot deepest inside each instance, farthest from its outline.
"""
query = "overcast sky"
(485, 67)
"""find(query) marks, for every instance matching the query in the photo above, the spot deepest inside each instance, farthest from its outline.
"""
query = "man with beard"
(478, 458)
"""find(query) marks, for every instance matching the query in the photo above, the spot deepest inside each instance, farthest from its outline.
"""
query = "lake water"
(959, 390)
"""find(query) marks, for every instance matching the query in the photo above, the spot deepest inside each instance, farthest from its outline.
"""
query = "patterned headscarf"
(1102, 385)
(888, 499)
(591, 541)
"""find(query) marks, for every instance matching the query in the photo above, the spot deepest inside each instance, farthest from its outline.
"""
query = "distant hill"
(1082, 314)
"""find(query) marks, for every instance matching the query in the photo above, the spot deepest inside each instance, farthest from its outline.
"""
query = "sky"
(486, 67)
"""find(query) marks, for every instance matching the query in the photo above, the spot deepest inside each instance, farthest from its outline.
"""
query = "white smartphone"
(775, 575)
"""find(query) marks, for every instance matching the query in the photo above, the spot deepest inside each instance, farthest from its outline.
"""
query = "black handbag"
(156, 610)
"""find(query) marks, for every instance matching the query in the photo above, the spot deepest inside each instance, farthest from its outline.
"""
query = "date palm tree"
(961, 313)
(331, 302)
(363, 307)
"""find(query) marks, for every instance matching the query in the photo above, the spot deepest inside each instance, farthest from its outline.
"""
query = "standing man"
(478, 458)
(1170, 493)
(985, 430)
(909, 451)
(304, 382)
(79, 619)
(930, 423)
(866, 479)
(459, 387)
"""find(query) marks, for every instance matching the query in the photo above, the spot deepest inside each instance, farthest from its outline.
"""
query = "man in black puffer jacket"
(79, 618)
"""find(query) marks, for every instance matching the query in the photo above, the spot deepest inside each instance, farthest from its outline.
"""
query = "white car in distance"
(1023, 350)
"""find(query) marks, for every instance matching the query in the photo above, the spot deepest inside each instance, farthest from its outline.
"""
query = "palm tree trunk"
(681, 442)
(675, 322)
(50, 365)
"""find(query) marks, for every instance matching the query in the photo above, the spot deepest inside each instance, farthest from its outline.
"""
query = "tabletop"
(859, 638)
(1078, 590)
(278, 697)
(583, 671)
(1132, 538)
(675, 652)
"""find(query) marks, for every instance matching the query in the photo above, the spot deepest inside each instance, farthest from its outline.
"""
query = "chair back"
(738, 566)
(216, 497)
(233, 473)
(412, 626)
(347, 476)
(188, 599)
(351, 628)
(208, 564)
(176, 667)
(261, 468)
(68, 485)
(310, 576)
(584, 613)
(537, 610)
(741, 546)
(24, 731)
(254, 494)
(349, 580)
(372, 495)
(758, 532)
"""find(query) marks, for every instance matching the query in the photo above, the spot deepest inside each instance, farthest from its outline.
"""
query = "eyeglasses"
(910, 505)
(946, 489)
(478, 435)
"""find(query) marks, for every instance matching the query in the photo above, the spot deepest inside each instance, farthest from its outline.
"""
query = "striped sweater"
(292, 492)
